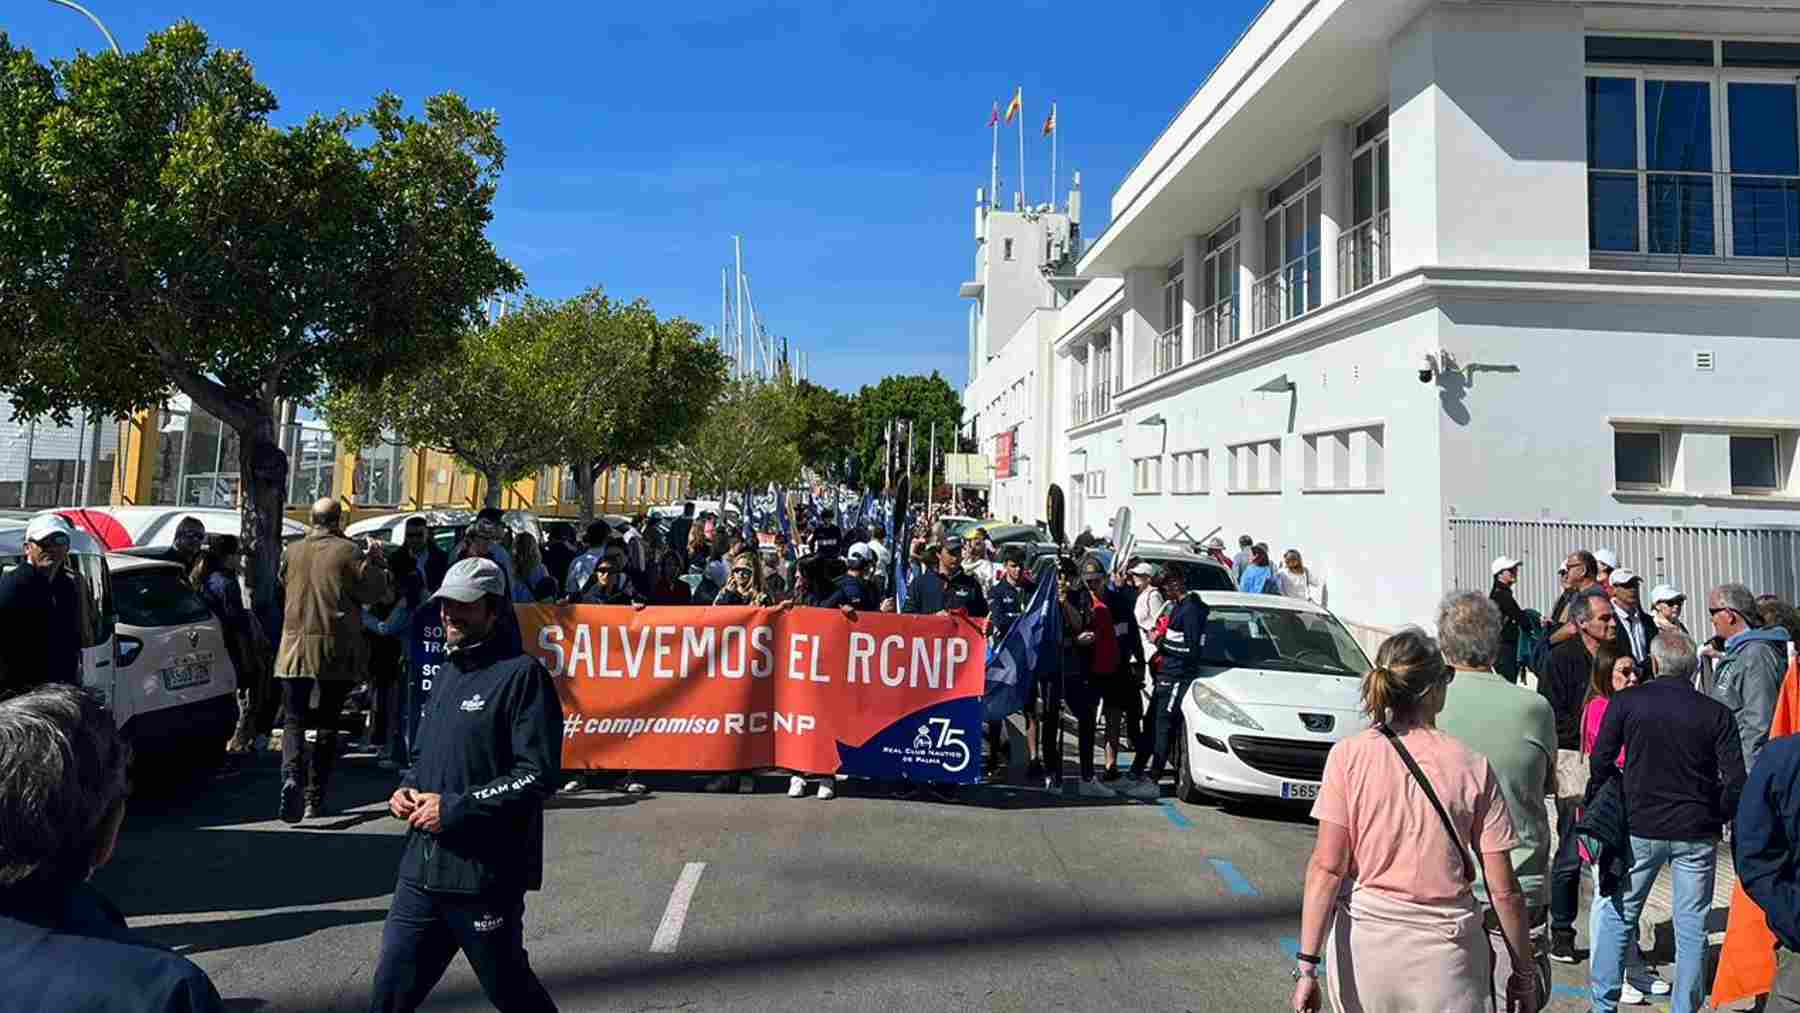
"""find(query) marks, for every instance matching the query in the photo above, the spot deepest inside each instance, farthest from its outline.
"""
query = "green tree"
(827, 433)
(651, 383)
(747, 438)
(499, 400)
(921, 400)
(158, 233)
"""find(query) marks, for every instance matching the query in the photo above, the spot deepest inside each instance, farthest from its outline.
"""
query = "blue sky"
(843, 140)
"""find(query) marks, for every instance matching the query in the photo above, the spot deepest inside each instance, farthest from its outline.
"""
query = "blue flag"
(1031, 649)
(749, 523)
(787, 527)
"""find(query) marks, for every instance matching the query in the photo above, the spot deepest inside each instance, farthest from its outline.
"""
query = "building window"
(1351, 459)
(1006, 249)
(1254, 467)
(1753, 464)
(1638, 460)
(1363, 252)
(1102, 371)
(1701, 161)
(1289, 285)
(1167, 354)
(1218, 324)
(1146, 476)
(1095, 485)
(1188, 472)
(378, 473)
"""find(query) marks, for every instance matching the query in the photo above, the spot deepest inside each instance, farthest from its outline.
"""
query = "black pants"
(1049, 729)
(1565, 873)
(1084, 701)
(1507, 664)
(296, 694)
(422, 934)
(1165, 718)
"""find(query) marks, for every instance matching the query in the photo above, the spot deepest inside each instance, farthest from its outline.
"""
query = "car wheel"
(1185, 788)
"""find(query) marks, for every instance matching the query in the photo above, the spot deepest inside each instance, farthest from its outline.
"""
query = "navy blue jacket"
(1683, 769)
(490, 743)
(1180, 646)
(853, 591)
(46, 605)
(929, 592)
(1765, 840)
(1006, 604)
(63, 950)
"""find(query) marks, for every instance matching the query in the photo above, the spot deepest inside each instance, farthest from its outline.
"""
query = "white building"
(1407, 284)
(1021, 262)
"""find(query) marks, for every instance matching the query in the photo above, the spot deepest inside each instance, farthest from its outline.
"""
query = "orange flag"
(1747, 960)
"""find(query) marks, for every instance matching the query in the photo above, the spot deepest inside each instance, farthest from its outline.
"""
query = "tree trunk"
(263, 466)
(492, 499)
(584, 490)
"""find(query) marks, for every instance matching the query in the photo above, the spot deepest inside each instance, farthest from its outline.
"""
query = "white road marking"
(668, 934)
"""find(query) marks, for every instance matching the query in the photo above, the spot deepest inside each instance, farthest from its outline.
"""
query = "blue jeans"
(1614, 920)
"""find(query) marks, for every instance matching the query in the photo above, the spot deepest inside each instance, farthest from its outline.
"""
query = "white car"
(1279, 685)
(444, 527)
(149, 647)
(136, 527)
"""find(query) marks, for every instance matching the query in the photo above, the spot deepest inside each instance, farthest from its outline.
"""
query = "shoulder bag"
(1495, 936)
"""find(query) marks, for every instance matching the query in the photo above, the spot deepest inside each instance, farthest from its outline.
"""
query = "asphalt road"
(1009, 899)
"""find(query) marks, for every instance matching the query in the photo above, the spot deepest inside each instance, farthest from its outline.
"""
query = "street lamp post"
(72, 5)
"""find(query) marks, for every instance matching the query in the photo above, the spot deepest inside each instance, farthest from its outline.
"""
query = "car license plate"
(1299, 790)
(184, 676)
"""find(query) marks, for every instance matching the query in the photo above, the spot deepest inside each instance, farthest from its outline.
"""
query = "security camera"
(1429, 371)
(1425, 375)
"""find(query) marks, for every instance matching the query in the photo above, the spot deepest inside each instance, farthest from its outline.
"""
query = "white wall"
(1488, 138)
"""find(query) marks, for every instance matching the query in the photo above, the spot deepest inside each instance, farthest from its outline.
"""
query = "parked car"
(150, 648)
(444, 527)
(1279, 686)
(1202, 572)
(117, 528)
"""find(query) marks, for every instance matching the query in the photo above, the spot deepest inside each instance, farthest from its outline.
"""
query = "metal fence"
(1694, 559)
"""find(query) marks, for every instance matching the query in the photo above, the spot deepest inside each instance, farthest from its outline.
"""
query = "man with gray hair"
(62, 802)
(1564, 683)
(1748, 678)
(1515, 730)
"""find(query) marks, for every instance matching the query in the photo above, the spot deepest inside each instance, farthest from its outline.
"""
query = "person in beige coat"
(328, 578)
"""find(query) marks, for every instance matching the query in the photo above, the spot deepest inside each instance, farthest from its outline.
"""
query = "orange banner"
(727, 688)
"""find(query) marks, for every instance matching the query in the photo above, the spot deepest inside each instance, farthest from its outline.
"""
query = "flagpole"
(1023, 199)
(994, 183)
(1055, 128)
(931, 466)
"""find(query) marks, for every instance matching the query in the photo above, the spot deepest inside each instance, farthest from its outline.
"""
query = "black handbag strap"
(1425, 784)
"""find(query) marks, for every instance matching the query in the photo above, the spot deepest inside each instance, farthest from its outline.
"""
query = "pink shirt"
(1590, 726)
(1398, 845)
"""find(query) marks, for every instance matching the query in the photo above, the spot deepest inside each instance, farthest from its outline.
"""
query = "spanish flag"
(1017, 103)
(1747, 958)
(1050, 121)
(994, 119)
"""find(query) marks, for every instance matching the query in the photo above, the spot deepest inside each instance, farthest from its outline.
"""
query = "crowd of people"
(1454, 833)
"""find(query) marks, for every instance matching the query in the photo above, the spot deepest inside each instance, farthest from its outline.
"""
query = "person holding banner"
(744, 587)
(488, 746)
(946, 588)
(1007, 600)
(852, 592)
(609, 584)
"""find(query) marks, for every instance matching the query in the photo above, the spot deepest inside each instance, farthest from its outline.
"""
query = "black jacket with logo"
(929, 592)
(490, 743)
(853, 591)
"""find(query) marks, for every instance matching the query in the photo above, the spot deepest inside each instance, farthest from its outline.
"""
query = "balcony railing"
(1102, 398)
(1364, 255)
(1718, 221)
(1216, 327)
(1284, 293)
(1078, 410)
(1168, 350)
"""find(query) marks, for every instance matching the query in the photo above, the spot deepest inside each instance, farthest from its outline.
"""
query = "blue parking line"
(1236, 881)
(1176, 816)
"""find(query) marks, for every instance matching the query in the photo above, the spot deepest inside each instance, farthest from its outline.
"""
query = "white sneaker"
(826, 791)
(1642, 979)
(573, 786)
(1094, 789)
(636, 787)
(1144, 790)
(796, 787)
(1629, 996)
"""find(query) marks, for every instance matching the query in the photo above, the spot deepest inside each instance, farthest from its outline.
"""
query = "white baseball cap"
(1503, 564)
(1607, 558)
(1142, 570)
(1623, 576)
(47, 526)
(1666, 592)
(860, 553)
(471, 580)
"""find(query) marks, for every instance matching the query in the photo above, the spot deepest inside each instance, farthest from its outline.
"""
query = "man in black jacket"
(1180, 647)
(1765, 842)
(40, 610)
(947, 587)
(1565, 685)
(1684, 771)
(432, 562)
(483, 763)
(1636, 628)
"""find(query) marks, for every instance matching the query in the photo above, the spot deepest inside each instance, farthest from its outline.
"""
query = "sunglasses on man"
(54, 541)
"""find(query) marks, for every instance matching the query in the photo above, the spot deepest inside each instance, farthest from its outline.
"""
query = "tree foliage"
(827, 433)
(158, 233)
(922, 400)
(747, 439)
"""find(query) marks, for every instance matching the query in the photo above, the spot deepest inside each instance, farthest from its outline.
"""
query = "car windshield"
(156, 597)
(1239, 636)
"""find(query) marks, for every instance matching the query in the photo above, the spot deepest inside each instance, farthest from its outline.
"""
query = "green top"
(1515, 730)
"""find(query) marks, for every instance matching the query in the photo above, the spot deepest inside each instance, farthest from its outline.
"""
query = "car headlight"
(1213, 704)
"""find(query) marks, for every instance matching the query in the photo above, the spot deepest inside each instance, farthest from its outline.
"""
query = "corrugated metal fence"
(1694, 559)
